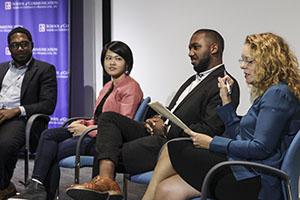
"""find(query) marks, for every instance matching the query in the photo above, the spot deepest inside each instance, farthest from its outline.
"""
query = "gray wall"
(86, 45)
(158, 31)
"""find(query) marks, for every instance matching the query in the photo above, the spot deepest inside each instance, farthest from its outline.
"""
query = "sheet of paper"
(159, 108)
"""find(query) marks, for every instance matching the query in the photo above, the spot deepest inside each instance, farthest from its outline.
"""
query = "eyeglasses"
(16, 45)
(246, 62)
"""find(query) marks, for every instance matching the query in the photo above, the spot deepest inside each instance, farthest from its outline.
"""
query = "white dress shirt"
(10, 94)
(199, 77)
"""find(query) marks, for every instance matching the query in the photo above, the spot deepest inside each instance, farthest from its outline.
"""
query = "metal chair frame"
(28, 129)
(139, 116)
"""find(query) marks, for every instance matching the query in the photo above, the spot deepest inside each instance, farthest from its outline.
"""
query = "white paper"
(160, 109)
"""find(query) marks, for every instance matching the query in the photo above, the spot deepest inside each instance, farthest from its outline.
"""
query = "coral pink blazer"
(124, 99)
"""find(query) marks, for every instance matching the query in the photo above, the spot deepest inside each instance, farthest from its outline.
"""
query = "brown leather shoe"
(8, 192)
(98, 188)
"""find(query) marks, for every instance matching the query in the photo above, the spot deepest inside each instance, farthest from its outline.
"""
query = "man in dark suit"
(27, 87)
(125, 145)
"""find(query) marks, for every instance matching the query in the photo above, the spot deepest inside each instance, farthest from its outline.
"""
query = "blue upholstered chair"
(78, 160)
(142, 110)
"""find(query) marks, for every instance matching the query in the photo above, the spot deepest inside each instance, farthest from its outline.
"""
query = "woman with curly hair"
(262, 135)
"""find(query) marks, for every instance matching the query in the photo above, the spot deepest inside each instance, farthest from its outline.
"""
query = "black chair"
(78, 161)
(36, 123)
(288, 172)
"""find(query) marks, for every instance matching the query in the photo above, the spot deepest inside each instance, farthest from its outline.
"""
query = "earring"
(126, 71)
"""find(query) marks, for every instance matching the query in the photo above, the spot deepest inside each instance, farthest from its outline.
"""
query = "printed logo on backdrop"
(42, 27)
(53, 27)
(8, 28)
(45, 51)
(48, 21)
(57, 120)
(49, 51)
(62, 74)
(16, 5)
(7, 5)
(7, 52)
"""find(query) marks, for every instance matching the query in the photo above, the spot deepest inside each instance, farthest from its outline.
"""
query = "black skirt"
(192, 164)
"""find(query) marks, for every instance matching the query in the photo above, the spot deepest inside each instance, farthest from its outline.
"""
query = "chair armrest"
(174, 139)
(77, 158)
(70, 120)
(29, 125)
(85, 133)
(262, 167)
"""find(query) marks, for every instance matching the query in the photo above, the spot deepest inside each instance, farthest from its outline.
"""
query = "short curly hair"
(19, 30)
(274, 62)
(214, 37)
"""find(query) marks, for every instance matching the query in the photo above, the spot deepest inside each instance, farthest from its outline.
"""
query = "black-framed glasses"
(16, 45)
(246, 62)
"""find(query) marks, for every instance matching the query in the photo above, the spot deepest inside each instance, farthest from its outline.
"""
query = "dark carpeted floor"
(135, 191)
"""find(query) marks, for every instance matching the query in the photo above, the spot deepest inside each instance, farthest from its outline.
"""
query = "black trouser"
(12, 138)
(126, 143)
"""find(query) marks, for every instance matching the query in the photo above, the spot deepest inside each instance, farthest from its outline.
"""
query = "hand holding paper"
(159, 108)
(199, 140)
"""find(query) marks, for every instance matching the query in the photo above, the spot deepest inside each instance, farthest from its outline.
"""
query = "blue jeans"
(54, 145)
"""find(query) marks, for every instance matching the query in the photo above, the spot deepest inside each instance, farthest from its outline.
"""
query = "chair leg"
(57, 193)
(26, 166)
(77, 174)
(125, 186)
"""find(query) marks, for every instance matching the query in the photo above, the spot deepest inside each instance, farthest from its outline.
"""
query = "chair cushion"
(69, 162)
(142, 178)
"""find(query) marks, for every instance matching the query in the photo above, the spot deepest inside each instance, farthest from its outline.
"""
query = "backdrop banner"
(48, 22)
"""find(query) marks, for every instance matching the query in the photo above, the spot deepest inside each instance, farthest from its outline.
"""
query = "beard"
(21, 62)
(203, 64)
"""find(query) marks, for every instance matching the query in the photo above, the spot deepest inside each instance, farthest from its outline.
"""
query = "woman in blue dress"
(262, 135)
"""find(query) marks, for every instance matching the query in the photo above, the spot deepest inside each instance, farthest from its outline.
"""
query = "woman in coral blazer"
(122, 94)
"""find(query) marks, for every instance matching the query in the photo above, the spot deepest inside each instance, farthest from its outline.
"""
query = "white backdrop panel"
(158, 32)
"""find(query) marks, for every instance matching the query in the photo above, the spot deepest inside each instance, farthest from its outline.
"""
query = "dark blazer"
(197, 109)
(39, 87)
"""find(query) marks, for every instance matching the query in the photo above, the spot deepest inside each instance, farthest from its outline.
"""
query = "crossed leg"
(166, 183)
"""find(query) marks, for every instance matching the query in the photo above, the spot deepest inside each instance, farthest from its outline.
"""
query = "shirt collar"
(12, 63)
(199, 76)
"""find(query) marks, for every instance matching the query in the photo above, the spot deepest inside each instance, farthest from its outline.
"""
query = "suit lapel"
(28, 76)
(3, 70)
(180, 91)
(203, 83)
